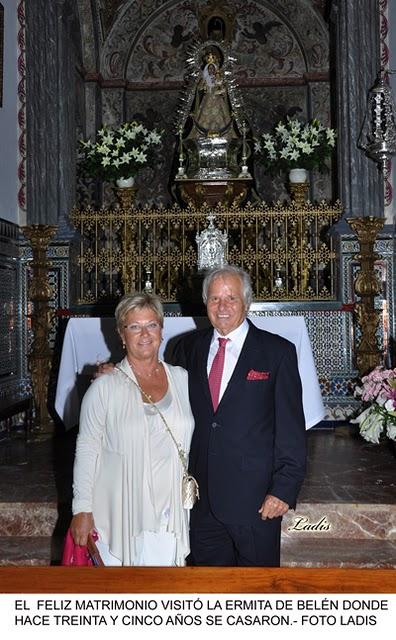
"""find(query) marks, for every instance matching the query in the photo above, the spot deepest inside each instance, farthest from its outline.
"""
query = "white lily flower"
(280, 128)
(142, 157)
(126, 157)
(103, 148)
(154, 137)
(306, 148)
(269, 145)
(108, 138)
(112, 148)
(330, 135)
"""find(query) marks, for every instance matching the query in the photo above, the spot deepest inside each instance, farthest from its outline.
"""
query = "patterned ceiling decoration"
(148, 39)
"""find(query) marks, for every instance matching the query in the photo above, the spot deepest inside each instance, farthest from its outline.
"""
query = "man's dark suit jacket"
(255, 443)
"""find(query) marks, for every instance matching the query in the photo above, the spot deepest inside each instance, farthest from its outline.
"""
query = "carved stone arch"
(304, 22)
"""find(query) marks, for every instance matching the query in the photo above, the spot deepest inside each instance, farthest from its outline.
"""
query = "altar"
(88, 341)
(199, 192)
(213, 149)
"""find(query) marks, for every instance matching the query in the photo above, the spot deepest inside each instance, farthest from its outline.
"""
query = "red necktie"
(216, 372)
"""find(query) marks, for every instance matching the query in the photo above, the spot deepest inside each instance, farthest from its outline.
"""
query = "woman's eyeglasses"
(138, 328)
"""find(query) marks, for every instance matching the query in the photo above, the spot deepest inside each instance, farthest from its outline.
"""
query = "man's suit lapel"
(241, 366)
(203, 364)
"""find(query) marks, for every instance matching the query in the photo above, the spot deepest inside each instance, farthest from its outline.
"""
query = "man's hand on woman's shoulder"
(103, 367)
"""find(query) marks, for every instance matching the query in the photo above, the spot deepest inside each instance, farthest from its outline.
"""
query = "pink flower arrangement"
(378, 391)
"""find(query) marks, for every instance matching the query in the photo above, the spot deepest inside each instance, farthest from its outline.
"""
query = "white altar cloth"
(88, 341)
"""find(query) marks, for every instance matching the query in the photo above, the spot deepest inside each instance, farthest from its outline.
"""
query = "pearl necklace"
(146, 375)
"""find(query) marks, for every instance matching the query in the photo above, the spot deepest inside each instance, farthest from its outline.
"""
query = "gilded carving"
(367, 352)
(280, 245)
(40, 355)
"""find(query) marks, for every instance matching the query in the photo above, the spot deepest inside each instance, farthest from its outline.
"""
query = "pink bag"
(75, 555)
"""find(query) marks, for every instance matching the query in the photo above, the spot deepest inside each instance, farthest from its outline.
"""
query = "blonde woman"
(127, 472)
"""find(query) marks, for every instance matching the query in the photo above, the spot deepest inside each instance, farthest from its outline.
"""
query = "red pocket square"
(257, 375)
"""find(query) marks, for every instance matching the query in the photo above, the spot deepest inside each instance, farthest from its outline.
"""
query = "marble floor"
(346, 514)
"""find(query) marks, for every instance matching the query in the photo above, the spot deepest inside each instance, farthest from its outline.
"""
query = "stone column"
(51, 32)
(355, 64)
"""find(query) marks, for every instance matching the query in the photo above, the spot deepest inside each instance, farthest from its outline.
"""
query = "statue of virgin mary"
(210, 118)
(212, 114)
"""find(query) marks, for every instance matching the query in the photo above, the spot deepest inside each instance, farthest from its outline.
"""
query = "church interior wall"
(11, 352)
(118, 62)
(8, 118)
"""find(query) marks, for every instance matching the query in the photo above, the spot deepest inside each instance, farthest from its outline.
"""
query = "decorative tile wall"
(15, 329)
(59, 280)
(330, 334)
(10, 316)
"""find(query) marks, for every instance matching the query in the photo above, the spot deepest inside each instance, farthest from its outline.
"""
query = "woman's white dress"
(127, 470)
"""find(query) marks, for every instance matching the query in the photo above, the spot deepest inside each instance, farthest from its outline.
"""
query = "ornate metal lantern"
(378, 135)
(212, 246)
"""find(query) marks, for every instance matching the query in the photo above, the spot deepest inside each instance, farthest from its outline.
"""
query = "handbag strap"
(180, 451)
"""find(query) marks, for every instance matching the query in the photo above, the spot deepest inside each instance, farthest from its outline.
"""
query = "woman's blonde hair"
(132, 301)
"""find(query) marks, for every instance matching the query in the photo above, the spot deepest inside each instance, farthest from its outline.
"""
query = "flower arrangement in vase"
(119, 153)
(295, 145)
(378, 393)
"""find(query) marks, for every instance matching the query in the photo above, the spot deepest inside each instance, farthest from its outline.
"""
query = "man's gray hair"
(229, 270)
(133, 301)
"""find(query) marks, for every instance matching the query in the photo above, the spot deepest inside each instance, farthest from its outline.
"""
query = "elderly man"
(248, 448)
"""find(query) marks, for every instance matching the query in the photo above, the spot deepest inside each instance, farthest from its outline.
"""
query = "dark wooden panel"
(194, 580)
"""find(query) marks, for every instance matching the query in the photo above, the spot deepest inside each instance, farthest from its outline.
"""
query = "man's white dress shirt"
(236, 339)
